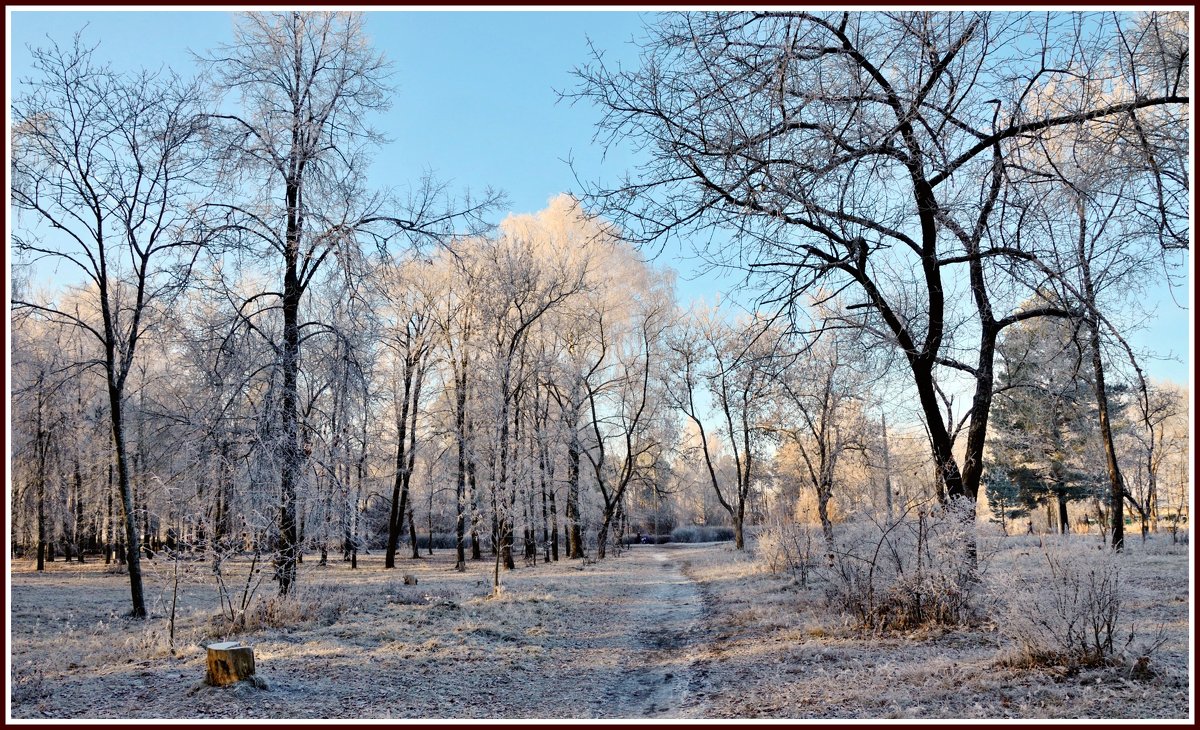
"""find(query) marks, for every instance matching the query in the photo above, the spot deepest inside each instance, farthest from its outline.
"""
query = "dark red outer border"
(630, 5)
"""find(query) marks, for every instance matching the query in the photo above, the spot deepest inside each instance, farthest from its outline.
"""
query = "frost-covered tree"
(295, 157)
(875, 153)
(105, 172)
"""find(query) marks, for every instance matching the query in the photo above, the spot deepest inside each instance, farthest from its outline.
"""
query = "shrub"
(397, 592)
(1068, 612)
(918, 570)
(441, 540)
(789, 547)
(636, 539)
(302, 606)
(701, 533)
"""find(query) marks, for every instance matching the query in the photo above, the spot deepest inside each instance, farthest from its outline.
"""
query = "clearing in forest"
(660, 631)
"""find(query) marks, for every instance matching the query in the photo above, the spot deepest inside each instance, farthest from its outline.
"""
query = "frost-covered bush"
(701, 533)
(1068, 611)
(640, 538)
(921, 568)
(790, 547)
(441, 540)
(303, 605)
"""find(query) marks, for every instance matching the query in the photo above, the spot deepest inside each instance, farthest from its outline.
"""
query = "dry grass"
(625, 637)
(778, 651)
(348, 644)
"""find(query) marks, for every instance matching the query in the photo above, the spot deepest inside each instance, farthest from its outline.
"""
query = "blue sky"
(475, 94)
(475, 103)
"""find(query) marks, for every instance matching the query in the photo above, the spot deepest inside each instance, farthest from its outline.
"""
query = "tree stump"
(229, 662)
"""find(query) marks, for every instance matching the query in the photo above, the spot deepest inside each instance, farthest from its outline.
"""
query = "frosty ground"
(667, 631)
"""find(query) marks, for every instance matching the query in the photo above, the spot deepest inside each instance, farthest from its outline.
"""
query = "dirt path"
(661, 617)
(613, 639)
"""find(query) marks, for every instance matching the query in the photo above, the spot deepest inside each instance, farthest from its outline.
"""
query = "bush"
(636, 539)
(916, 571)
(789, 547)
(1068, 613)
(303, 605)
(701, 533)
(441, 540)
(397, 592)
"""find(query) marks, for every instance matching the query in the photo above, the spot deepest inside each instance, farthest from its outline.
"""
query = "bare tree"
(822, 414)
(1154, 408)
(624, 409)
(1084, 197)
(410, 340)
(38, 376)
(104, 173)
(454, 318)
(296, 160)
(866, 152)
(577, 367)
(733, 363)
(525, 286)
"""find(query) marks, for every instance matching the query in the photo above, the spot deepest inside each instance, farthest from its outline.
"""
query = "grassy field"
(661, 631)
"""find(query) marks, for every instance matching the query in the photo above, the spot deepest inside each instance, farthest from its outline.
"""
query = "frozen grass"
(812, 663)
(625, 637)
(348, 644)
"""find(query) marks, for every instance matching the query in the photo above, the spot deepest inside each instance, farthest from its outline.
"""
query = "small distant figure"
(1030, 527)
(644, 539)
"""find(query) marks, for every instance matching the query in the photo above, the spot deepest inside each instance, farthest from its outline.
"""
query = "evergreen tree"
(1044, 418)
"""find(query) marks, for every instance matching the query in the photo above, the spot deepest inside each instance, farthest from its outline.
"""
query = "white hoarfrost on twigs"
(1068, 610)
(922, 567)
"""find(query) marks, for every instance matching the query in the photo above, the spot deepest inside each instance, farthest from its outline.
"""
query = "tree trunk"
(553, 528)
(1116, 482)
(109, 525)
(602, 536)
(574, 533)
(78, 534)
(739, 521)
(545, 513)
(412, 534)
(133, 553)
(887, 471)
(399, 490)
(949, 480)
(289, 448)
(460, 477)
(429, 544)
(41, 498)
(505, 526)
(823, 495)
(476, 550)
(228, 662)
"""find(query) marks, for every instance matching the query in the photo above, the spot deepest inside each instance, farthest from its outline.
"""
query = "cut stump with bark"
(229, 662)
